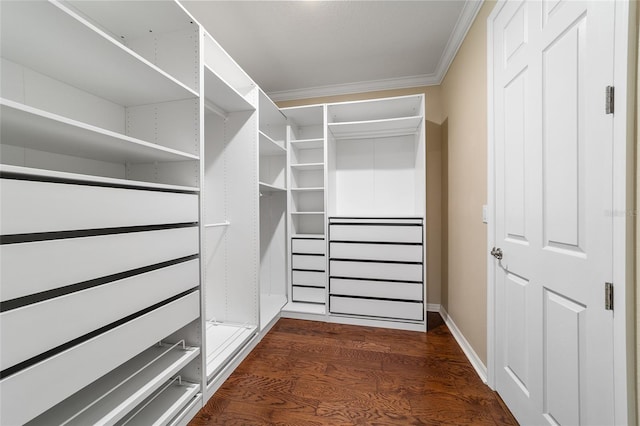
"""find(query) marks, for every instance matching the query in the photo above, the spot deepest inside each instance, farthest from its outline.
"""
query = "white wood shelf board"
(134, 19)
(221, 94)
(375, 109)
(163, 406)
(307, 166)
(223, 341)
(218, 59)
(305, 308)
(308, 143)
(27, 127)
(314, 236)
(51, 174)
(307, 213)
(269, 113)
(308, 115)
(147, 371)
(376, 128)
(269, 146)
(318, 189)
(270, 307)
(53, 40)
(265, 187)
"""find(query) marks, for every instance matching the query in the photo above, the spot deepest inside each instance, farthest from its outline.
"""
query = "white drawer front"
(377, 308)
(32, 391)
(308, 294)
(28, 207)
(377, 233)
(379, 289)
(74, 260)
(375, 270)
(395, 252)
(56, 321)
(317, 263)
(315, 246)
(309, 278)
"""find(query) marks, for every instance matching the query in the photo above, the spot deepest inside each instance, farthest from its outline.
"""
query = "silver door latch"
(497, 253)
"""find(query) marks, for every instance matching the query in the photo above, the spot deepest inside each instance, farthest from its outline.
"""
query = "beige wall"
(464, 106)
(433, 149)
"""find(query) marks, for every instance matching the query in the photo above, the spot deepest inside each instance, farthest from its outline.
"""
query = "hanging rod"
(215, 225)
(215, 109)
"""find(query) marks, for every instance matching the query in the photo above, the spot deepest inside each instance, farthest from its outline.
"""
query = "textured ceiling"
(290, 46)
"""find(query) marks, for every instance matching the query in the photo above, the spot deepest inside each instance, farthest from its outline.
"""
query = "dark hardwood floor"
(314, 373)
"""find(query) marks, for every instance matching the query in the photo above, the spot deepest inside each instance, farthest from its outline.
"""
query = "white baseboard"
(473, 357)
(433, 307)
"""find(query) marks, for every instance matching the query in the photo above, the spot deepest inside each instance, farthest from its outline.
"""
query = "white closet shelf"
(59, 43)
(52, 174)
(222, 94)
(307, 166)
(307, 213)
(265, 187)
(311, 189)
(307, 115)
(161, 407)
(308, 143)
(375, 109)
(28, 127)
(114, 395)
(376, 128)
(223, 341)
(217, 224)
(305, 308)
(268, 146)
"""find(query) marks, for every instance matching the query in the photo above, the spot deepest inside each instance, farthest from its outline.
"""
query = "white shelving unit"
(100, 148)
(230, 231)
(273, 204)
(306, 207)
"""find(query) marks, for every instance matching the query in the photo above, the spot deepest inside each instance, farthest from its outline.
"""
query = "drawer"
(376, 308)
(394, 252)
(317, 279)
(74, 260)
(377, 233)
(376, 270)
(300, 261)
(28, 207)
(56, 321)
(31, 391)
(309, 294)
(378, 289)
(304, 245)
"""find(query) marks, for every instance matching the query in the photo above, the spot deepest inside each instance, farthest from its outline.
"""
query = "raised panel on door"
(23, 394)
(30, 206)
(390, 309)
(376, 270)
(57, 321)
(376, 289)
(393, 252)
(376, 233)
(75, 260)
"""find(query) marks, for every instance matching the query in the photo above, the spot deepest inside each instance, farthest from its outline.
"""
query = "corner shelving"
(376, 128)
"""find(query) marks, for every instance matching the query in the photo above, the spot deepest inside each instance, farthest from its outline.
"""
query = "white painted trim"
(465, 20)
(491, 321)
(623, 220)
(304, 316)
(434, 307)
(367, 322)
(356, 87)
(472, 356)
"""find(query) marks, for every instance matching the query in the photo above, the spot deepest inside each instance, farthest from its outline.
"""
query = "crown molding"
(465, 20)
(357, 87)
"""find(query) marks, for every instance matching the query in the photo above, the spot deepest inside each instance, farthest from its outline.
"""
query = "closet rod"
(215, 109)
(215, 225)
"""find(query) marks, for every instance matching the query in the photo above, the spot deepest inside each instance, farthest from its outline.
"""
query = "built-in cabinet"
(159, 213)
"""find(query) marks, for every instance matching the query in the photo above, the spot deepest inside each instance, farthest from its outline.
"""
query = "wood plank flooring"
(314, 373)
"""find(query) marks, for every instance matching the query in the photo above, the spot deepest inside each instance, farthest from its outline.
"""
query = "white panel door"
(553, 186)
